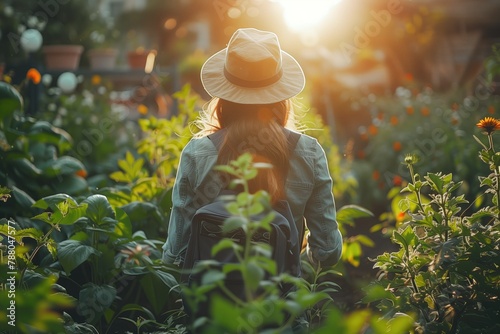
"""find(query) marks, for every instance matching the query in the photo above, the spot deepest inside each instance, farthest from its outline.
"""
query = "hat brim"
(215, 83)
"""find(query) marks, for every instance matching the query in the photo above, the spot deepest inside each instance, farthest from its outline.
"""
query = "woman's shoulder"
(200, 146)
(306, 142)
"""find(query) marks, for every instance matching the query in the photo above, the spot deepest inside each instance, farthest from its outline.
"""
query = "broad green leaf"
(72, 253)
(168, 279)
(25, 168)
(123, 228)
(94, 300)
(52, 201)
(61, 166)
(70, 184)
(22, 198)
(98, 209)
(10, 100)
(142, 212)
(69, 215)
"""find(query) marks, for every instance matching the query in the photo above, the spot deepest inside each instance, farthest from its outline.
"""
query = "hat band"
(250, 83)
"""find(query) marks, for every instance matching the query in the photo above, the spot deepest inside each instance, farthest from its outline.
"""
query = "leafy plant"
(309, 303)
(31, 160)
(446, 269)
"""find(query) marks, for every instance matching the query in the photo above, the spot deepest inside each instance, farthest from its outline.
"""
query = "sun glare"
(301, 15)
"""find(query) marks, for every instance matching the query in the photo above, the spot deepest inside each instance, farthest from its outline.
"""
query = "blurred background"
(385, 78)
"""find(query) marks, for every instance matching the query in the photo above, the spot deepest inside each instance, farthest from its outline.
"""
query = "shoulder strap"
(217, 138)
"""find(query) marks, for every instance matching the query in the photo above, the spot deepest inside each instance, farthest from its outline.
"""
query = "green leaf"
(136, 307)
(22, 198)
(25, 168)
(348, 213)
(234, 222)
(140, 212)
(255, 209)
(32, 233)
(10, 100)
(65, 213)
(94, 300)
(98, 209)
(399, 238)
(353, 253)
(364, 240)
(71, 184)
(221, 245)
(168, 279)
(52, 201)
(63, 165)
(255, 274)
(212, 277)
(72, 253)
(123, 228)
(376, 292)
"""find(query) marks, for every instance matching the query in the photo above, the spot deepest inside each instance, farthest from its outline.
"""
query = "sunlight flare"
(302, 15)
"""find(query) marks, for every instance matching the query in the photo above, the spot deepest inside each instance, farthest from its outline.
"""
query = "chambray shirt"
(308, 189)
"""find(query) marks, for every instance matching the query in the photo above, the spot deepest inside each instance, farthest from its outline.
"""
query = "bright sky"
(301, 15)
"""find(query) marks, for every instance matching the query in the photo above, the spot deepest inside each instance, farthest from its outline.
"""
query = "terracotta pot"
(62, 57)
(103, 59)
(137, 59)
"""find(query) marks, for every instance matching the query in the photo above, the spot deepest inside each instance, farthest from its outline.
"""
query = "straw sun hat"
(252, 70)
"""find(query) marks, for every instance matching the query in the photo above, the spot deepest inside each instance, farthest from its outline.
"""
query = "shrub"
(446, 271)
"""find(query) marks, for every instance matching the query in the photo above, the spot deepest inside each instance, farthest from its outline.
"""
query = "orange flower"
(81, 173)
(142, 109)
(372, 129)
(454, 106)
(425, 111)
(397, 180)
(96, 79)
(376, 175)
(409, 110)
(396, 146)
(394, 120)
(409, 77)
(400, 216)
(489, 124)
(34, 76)
(491, 110)
(361, 154)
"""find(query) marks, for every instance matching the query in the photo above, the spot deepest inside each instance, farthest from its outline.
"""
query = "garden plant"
(446, 270)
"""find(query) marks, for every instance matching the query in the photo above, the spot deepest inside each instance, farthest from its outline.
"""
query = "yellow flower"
(489, 124)
(7, 79)
(96, 79)
(142, 109)
(34, 76)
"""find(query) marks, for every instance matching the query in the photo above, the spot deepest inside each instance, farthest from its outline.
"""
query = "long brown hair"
(257, 129)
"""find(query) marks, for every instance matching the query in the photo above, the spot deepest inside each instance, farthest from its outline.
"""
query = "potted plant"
(66, 35)
(104, 55)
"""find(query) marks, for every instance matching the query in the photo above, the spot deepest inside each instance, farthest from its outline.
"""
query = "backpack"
(206, 231)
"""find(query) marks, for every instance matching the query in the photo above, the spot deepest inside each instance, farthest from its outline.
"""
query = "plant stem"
(42, 243)
(417, 191)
